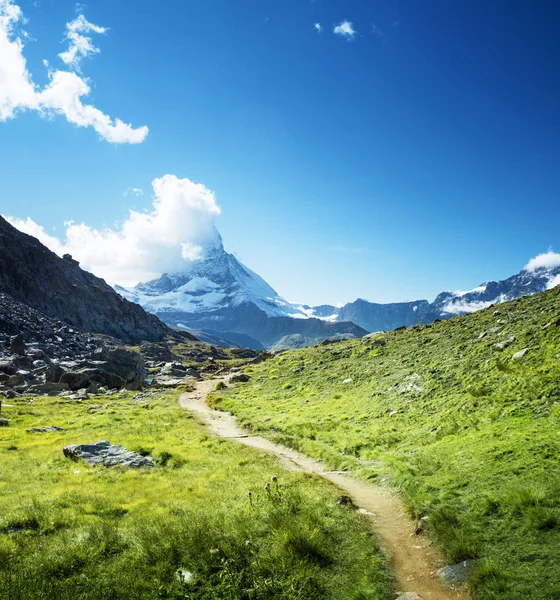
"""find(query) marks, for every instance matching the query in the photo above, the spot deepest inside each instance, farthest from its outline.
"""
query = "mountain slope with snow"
(377, 317)
(219, 294)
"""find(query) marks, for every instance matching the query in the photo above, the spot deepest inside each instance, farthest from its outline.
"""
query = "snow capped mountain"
(378, 317)
(525, 283)
(219, 295)
(216, 281)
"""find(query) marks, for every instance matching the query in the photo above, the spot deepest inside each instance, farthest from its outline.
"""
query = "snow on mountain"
(219, 295)
(528, 281)
(540, 274)
(215, 282)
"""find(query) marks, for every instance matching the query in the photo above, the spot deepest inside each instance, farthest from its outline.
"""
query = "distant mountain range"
(223, 301)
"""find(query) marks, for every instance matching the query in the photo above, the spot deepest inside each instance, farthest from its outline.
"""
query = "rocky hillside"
(59, 288)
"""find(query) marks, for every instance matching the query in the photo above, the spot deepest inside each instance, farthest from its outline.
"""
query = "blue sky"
(420, 154)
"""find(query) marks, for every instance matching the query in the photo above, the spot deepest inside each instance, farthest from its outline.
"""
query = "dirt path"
(411, 557)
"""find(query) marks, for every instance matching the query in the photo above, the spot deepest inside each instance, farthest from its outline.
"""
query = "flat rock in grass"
(168, 381)
(520, 354)
(4, 422)
(107, 454)
(409, 596)
(458, 573)
(503, 345)
(45, 429)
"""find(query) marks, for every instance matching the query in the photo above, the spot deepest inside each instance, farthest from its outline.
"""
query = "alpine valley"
(223, 302)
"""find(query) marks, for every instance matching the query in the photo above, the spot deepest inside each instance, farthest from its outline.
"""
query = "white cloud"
(461, 307)
(553, 282)
(318, 27)
(133, 191)
(63, 95)
(31, 228)
(164, 240)
(345, 29)
(80, 45)
(547, 260)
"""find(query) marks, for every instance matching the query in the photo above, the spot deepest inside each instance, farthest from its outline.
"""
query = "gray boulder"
(168, 381)
(106, 454)
(45, 429)
(239, 378)
(8, 366)
(458, 573)
(17, 345)
(47, 388)
(520, 354)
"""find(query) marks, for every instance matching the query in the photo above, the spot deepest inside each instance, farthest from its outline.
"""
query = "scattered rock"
(45, 429)
(345, 501)
(505, 343)
(408, 596)
(239, 378)
(520, 354)
(458, 573)
(51, 389)
(349, 380)
(17, 345)
(15, 380)
(555, 323)
(482, 335)
(94, 409)
(104, 453)
(4, 422)
(170, 381)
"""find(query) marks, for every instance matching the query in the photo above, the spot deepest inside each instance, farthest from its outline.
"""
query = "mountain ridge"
(219, 295)
(59, 288)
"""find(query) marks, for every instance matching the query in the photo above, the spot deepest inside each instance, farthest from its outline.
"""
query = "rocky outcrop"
(107, 454)
(59, 288)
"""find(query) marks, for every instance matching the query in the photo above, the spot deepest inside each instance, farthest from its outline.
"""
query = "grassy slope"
(470, 436)
(69, 531)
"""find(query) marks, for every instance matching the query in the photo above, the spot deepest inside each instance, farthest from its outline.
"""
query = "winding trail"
(412, 559)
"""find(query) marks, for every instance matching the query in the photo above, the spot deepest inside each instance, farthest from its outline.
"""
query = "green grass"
(213, 520)
(470, 437)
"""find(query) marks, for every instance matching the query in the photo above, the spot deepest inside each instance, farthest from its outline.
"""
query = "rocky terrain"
(59, 288)
(65, 332)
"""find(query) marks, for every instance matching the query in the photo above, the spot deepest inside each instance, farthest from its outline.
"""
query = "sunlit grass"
(470, 437)
(202, 524)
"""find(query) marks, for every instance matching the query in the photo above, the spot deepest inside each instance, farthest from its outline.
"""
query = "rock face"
(59, 288)
(106, 454)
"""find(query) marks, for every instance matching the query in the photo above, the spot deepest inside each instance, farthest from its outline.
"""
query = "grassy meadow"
(445, 413)
(213, 519)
